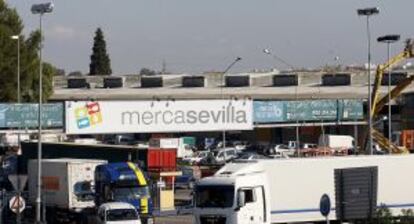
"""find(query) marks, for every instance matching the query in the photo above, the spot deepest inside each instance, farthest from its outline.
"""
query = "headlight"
(150, 221)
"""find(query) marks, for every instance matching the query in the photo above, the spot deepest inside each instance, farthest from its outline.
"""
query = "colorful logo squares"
(89, 115)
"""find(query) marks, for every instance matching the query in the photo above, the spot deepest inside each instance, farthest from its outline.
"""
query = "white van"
(226, 154)
(117, 212)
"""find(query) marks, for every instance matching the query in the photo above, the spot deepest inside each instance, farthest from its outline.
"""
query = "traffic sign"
(325, 205)
(18, 181)
(17, 204)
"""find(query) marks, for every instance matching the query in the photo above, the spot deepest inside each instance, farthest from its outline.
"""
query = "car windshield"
(202, 154)
(282, 147)
(130, 193)
(247, 156)
(187, 172)
(84, 190)
(221, 196)
(121, 214)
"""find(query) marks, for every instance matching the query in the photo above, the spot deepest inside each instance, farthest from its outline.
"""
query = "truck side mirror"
(241, 199)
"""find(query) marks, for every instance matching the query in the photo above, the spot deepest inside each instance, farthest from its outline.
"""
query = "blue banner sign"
(26, 115)
(310, 110)
(269, 111)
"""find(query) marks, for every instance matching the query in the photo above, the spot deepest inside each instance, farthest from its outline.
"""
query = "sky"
(194, 36)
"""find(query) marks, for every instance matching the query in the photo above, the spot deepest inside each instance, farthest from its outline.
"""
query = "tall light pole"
(40, 9)
(222, 97)
(369, 12)
(270, 53)
(17, 38)
(389, 39)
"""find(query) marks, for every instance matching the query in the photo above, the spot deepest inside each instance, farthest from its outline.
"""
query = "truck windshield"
(121, 214)
(215, 196)
(130, 193)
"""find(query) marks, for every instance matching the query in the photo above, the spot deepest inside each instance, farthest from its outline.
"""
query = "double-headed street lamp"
(40, 9)
(389, 39)
(270, 53)
(369, 12)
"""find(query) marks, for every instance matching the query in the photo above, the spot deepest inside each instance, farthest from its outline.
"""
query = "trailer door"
(356, 192)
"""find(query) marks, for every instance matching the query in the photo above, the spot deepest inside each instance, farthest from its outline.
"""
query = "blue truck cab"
(124, 182)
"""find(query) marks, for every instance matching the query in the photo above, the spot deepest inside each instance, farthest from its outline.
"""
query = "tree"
(11, 24)
(100, 62)
(60, 72)
(146, 71)
(75, 73)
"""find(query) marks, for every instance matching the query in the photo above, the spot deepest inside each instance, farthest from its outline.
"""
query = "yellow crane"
(378, 104)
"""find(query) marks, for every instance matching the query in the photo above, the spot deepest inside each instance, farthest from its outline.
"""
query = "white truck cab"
(289, 190)
(235, 194)
(117, 212)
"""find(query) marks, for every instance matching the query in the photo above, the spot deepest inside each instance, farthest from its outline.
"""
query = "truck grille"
(213, 220)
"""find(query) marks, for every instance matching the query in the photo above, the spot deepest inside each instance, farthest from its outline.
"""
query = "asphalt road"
(182, 197)
(174, 219)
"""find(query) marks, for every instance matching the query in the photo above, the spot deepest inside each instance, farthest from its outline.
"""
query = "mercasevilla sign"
(85, 117)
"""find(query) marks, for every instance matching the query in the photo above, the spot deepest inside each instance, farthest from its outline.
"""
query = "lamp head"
(266, 51)
(368, 11)
(42, 8)
(389, 38)
(15, 37)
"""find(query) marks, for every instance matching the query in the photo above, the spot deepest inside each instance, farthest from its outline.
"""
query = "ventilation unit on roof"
(77, 83)
(113, 82)
(396, 78)
(237, 80)
(286, 80)
(151, 82)
(193, 81)
(340, 79)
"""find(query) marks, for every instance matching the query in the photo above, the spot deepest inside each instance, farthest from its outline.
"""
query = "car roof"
(116, 205)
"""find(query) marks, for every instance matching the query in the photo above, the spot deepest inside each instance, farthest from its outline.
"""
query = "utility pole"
(40, 9)
(369, 12)
(222, 97)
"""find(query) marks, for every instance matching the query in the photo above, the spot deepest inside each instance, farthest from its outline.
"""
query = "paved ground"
(183, 198)
(174, 219)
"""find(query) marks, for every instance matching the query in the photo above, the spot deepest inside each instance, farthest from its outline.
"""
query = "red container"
(162, 159)
(407, 139)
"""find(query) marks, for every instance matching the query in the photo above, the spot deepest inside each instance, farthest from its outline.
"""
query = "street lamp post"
(222, 97)
(389, 39)
(369, 12)
(17, 38)
(275, 57)
(40, 9)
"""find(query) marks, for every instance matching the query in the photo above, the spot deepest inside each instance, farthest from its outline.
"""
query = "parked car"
(220, 156)
(197, 157)
(283, 150)
(251, 156)
(117, 212)
(308, 146)
(227, 154)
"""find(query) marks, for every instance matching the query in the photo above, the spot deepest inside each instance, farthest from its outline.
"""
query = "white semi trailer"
(67, 187)
(287, 191)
